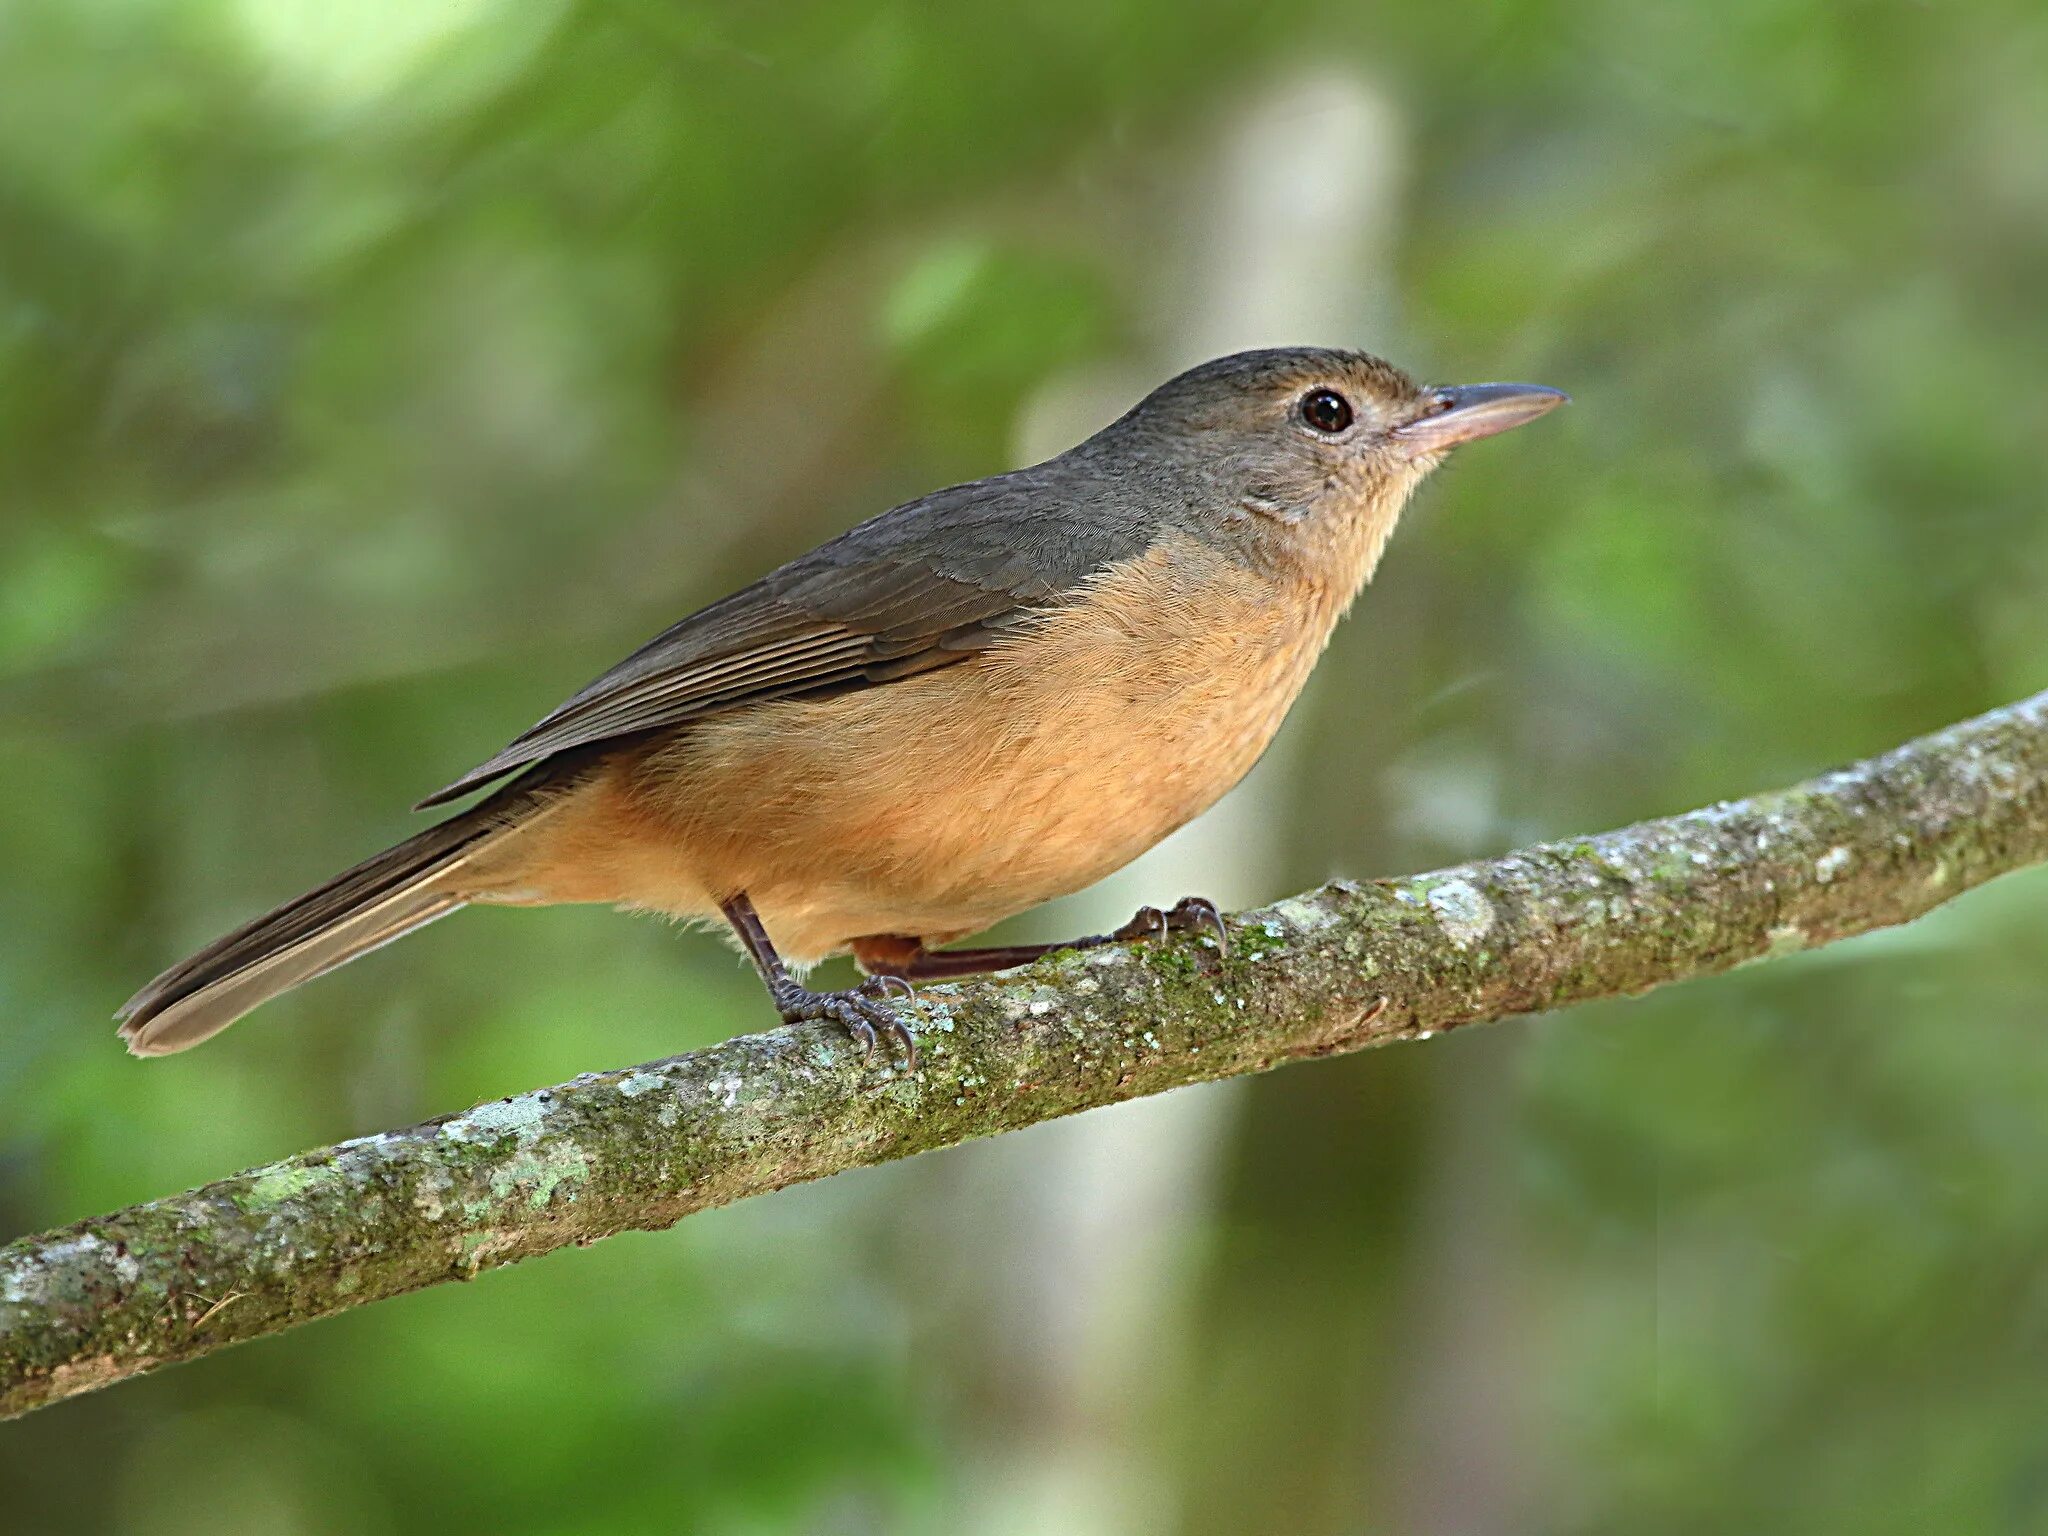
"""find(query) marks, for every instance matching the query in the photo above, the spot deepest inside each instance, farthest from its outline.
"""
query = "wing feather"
(926, 585)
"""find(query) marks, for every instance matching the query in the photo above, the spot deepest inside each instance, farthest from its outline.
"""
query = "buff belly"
(937, 805)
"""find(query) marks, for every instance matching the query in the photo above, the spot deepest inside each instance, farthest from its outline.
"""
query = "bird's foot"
(1191, 914)
(863, 1012)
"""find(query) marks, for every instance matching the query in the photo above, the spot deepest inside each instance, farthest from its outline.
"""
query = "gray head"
(1287, 432)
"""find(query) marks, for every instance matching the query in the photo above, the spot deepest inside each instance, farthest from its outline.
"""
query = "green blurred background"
(372, 375)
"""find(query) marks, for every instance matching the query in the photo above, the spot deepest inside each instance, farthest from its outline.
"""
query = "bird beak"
(1459, 413)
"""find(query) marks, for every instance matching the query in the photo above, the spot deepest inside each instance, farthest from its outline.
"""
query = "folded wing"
(925, 585)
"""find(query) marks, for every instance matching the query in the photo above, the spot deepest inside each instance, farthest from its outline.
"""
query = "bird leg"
(893, 955)
(861, 1011)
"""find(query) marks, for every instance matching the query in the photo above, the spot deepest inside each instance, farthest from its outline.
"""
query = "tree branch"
(1337, 969)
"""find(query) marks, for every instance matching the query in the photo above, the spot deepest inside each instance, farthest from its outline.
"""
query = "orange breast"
(939, 804)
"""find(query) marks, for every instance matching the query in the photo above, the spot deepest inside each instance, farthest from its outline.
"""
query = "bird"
(970, 704)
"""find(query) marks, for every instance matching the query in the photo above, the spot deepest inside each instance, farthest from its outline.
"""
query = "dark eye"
(1326, 411)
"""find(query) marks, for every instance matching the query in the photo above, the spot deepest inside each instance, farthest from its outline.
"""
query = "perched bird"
(982, 699)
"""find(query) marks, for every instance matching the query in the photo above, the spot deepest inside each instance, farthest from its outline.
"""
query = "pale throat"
(1342, 560)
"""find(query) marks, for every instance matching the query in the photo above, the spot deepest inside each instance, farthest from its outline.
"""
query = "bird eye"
(1326, 410)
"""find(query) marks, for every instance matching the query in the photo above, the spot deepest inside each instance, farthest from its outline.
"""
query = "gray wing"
(924, 585)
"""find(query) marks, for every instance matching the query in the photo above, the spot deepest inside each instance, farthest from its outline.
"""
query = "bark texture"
(1336, 969)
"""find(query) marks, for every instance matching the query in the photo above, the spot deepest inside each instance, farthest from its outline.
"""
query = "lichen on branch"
(1337, 969)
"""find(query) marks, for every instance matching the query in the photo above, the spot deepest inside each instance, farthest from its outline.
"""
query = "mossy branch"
(1337, 969)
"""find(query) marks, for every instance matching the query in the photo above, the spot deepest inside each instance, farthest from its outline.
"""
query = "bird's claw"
(1191, 914)
(878, 985)
(863, 1012)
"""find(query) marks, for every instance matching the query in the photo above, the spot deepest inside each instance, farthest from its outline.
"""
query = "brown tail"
(381, 899)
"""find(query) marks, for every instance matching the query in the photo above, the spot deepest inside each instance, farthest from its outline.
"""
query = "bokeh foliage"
(372, 375)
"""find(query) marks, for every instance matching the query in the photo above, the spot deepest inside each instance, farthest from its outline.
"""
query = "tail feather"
(381, 899)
